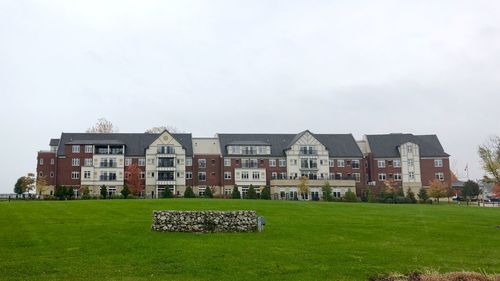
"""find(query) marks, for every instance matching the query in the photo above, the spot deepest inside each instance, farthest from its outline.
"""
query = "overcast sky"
(361, 67)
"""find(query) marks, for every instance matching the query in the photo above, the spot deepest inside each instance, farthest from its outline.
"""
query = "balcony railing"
(308, 152)
(108, 164)
(107, 178)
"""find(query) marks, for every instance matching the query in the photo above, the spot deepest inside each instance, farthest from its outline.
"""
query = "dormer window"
(307, 150)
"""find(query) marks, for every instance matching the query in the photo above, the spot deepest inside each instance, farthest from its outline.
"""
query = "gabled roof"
(338, 145)
(136, 143)
(54, 142)
(387, 145)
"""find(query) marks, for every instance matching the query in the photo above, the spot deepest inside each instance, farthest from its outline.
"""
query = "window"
(381, 177)
(202, 163)
(331, 163)
(212, 161)
(355, 164)
(227, 175)
(51, 174)
(381, 163)
(397, 176)
(256, 175)
(128, 161)
(88, 162)
(75, 149)
(272, 162)
(75, 162)
(340, 163)
(293, 162)
(282, 176)
(227, 162)
(143, 175)
(440, 176)
(397, 163)
(201, 191)
(411, 175)
(86, 174)
(142, 162)
(189, 175)
(52, 161)
(75, 175)
(180, 174)
(307, 150)
(40, 174)
(189, 161)
(438, 163)
(202, 176)
(410, 162)
(274, 175)
(244, 175)
(409, 149)
(282, 163)
(88, 149)
(356, 176)
(41, 161)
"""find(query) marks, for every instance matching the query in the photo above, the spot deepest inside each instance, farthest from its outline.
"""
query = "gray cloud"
(258, 66)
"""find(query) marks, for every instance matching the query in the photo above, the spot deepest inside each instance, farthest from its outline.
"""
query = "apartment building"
(176, 161)
(408, 161)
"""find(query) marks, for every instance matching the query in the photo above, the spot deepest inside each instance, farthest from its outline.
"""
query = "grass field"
(111, 240)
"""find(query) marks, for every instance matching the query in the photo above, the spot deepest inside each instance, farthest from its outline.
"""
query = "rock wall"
(205, 221)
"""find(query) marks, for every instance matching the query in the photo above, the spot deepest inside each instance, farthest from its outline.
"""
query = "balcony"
(308, 151)
(108, 164)
(166, 162)
(108, 150)
(165, 150)
(110, 177)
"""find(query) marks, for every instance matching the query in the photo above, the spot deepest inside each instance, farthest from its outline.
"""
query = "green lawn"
(111, 240)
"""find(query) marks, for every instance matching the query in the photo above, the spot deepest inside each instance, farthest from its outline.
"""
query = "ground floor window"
(244, 192)
(111, 190)
(228, 191)
(201, 191)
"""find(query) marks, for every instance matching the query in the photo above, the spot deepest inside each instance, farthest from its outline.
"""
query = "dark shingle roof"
(54, 142)
(387, 145)
(135, 143)
(338, 145)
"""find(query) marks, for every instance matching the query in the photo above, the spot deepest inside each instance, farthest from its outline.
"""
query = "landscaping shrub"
(236, 193)
(189, 193)
(349, 196)
(167, 193)
(251, 194)
(208, 193)
(266, 193)
(104, 191)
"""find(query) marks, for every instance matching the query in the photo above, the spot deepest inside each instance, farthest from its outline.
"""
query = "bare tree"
(160, 129)
(103, 126)
(490, 158)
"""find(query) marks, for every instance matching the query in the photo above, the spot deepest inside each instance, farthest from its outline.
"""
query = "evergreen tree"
(189, 193)
(327, 191)
(18, 188)
(60, 192)
(167, 193)
(266, 193)
(104, 191)
(125, 191)
(251, 194)
(70, 192)
(422, 195)
(350, 196)
(410, 196)
(236, 193)
(208, 192)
